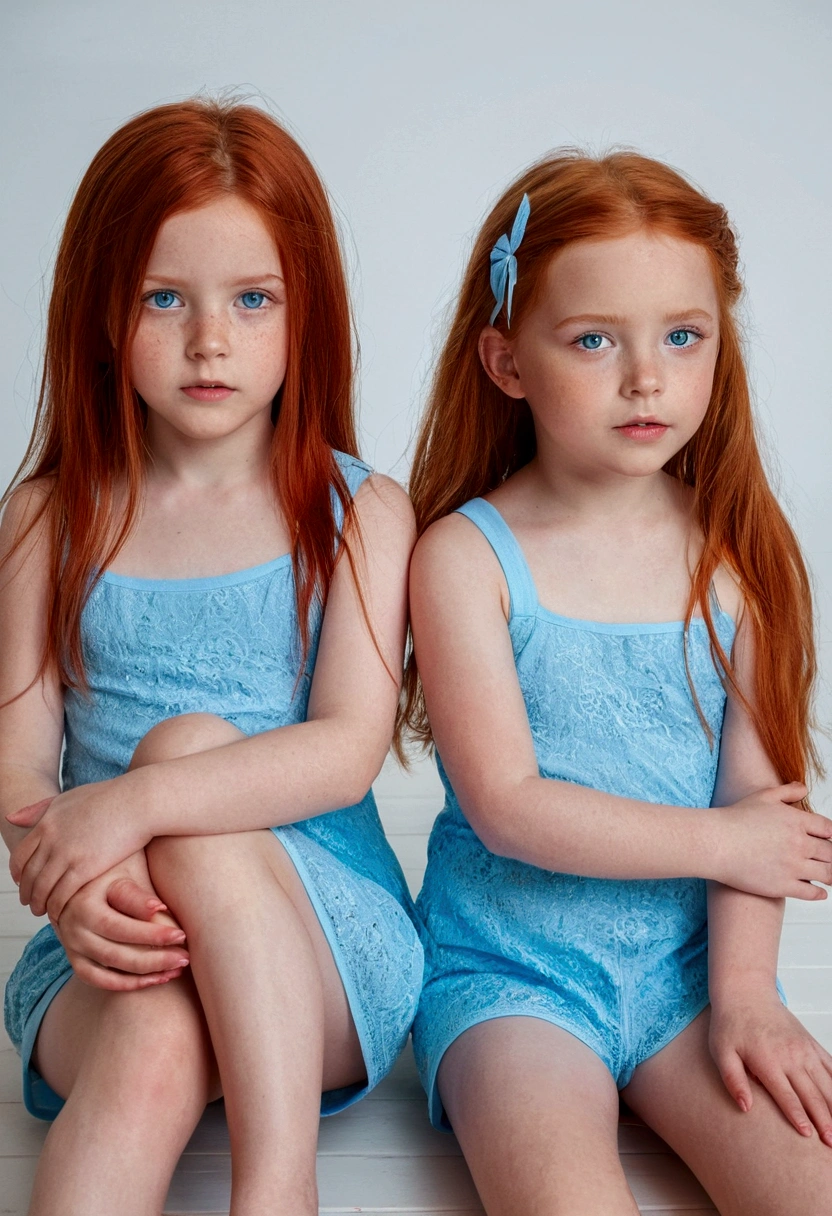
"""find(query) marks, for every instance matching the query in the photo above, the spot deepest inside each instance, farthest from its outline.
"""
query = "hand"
(759, 1036)
(73, 838)
(768, 847)
(117, 932)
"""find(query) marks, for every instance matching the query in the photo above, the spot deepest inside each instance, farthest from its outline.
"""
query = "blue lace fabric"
(622, 965)
(157, 648)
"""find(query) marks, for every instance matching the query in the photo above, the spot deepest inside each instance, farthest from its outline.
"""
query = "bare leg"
(752, 1164)
(136, 1069)
(536, 1114)
(273, 1000)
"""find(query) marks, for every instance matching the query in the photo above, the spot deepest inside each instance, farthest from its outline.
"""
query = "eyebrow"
(173, 281)
(689, 314)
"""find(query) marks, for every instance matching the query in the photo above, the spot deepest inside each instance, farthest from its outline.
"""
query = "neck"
(208, 464)
(597, 495)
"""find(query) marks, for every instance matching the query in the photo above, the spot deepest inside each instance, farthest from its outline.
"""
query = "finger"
(735, 1079)
(22, 853)
(818, 825)
(818, 871)
(79, 926)
(135, 960)
(781, 1089)
(30, 873)
(793, 791)
(805, 890)
(814, 1103)
(28, 816)
(822, 1081)
(126, 896)
(118, 981)
(131, 932)
(55, 886)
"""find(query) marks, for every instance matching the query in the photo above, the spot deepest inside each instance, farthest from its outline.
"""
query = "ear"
(497, 358)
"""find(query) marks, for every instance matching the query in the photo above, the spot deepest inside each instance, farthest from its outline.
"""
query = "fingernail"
(176, 939)
(157, 905)
(743, 1105)
(805, 1129)
(183, 962)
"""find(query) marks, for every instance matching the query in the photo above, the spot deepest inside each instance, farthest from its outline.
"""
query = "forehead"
(642, 270)
(227, 233)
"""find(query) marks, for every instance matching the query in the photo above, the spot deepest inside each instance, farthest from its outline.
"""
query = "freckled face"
(617, 359)
(210, 350)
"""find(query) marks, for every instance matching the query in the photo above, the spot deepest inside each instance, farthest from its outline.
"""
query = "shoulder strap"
(354, 472)
(521, 588)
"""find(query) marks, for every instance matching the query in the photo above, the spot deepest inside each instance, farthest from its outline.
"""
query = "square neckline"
(523, 587)
(207, 582)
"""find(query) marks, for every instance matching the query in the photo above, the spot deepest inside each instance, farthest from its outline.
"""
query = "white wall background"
(416, 115)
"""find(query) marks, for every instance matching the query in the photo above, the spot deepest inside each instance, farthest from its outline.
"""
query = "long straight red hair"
(88, 436)
(473, 436)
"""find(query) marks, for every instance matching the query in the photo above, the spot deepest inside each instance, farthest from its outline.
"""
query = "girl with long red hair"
(203, 602)
(613, 630)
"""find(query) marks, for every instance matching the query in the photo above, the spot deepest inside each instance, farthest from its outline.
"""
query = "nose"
(208, 337)
(642, 375)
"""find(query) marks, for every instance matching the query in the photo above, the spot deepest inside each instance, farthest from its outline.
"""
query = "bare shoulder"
(25, 519)
(381, 504)
(453, 555)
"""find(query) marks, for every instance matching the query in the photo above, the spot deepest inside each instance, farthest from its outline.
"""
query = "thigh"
(195, 873)
(343, 1059)
(122, 1031)
(751, 1164)
(536, 1114)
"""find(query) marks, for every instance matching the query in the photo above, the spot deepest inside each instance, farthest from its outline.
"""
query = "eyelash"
(149, 297)
(594, 333)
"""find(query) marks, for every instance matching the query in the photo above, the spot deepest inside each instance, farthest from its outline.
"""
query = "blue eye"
(253, 299)
(163, 299)
(683, 337)
(590, 341)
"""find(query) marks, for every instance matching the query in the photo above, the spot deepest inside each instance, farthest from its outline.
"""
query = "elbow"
(360, 771)
(486, 819)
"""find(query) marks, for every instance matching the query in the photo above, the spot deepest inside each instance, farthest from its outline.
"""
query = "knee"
(183, 736)
(199, 866)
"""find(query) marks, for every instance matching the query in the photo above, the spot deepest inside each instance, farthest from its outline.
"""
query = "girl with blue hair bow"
(612, 625)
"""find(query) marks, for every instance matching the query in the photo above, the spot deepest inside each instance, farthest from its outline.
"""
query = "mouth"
(643, 429)
(207, 390)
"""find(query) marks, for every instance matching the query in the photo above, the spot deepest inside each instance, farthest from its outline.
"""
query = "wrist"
(743, 985)
(138, 802)
(708, 844)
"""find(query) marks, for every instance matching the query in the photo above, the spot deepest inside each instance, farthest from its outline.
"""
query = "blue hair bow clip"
(504, 263)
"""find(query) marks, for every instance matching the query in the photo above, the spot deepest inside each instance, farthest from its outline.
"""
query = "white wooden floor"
(382, 1155)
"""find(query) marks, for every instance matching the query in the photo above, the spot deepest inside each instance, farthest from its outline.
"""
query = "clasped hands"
(84, 866)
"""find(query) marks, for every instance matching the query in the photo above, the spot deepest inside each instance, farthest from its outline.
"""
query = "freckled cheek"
(150, 359)
(266, 355)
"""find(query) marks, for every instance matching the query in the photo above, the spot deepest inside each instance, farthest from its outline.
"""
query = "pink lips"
(644, 432)
(207, 392)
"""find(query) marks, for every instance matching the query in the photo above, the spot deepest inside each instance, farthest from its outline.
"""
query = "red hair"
(89, 427)
(474, 436)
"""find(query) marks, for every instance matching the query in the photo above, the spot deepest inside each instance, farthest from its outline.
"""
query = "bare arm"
(31, 725)
(459, 607)
(751, 1031)
(280, 776)
(107, 932)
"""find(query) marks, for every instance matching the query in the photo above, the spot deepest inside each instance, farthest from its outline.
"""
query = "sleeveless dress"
(156, 648)
(620, 964)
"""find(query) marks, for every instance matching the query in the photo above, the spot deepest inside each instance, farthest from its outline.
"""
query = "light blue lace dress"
(156, 648)
(622, 965)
